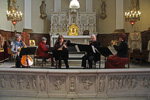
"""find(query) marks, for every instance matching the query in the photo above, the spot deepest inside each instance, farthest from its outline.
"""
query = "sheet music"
(93, 48)
(112, 49)
(77, 48)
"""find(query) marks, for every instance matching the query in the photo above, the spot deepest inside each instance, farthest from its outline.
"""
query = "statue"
(103, 10)
(135, 5)
(12, 4)
(43, 10)
(1, 42)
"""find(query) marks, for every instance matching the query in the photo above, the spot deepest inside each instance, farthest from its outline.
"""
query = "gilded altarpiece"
(80, 21)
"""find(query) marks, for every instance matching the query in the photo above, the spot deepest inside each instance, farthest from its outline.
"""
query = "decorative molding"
(75, 83)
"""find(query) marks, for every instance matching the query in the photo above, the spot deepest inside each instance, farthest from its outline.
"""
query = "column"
(57, 6)
(27, 14)
(89, 7)
(119, 14)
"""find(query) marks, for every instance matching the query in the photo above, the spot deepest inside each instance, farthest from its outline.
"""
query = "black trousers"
(62, 55)
(18, 61)
(90, 59)
(65, 61)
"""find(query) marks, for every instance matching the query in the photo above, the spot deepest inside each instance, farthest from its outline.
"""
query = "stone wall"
(75, 83)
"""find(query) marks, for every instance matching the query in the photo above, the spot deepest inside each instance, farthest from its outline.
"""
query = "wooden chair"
(144, 56)
(99, 62)
(36, 56)
(136, 55)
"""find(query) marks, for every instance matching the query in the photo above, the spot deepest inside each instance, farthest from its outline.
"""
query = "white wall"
(104, 26)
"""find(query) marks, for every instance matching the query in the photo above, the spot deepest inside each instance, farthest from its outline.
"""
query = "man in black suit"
(91, 56)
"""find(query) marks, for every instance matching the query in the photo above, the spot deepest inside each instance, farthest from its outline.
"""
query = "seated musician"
(43, 51)
(90, 56)
(60, 51)
(17, 44)
(120, 59)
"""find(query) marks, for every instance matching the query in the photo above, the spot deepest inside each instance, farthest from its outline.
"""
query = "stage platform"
(76, 83)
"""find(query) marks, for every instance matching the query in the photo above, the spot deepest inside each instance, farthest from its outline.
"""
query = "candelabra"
(14, 15)
(134, 14)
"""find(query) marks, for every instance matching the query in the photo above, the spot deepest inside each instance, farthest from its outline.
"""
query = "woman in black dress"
(60, 51)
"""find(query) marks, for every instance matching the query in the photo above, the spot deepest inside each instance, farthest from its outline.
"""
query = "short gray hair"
(93, 35)
(44, 39)
(16, 36)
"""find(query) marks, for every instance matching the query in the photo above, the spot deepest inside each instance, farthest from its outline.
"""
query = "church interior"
(30, 29)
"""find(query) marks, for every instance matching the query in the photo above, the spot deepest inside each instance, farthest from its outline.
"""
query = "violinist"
(17, 44)
(43, 51)
(60, 51)
(91, 56)
(121, 58)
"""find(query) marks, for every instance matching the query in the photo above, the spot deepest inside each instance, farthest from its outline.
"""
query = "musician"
(43, 51)
(91, 56)
(120, 59)
(60, 51)
(17, 44)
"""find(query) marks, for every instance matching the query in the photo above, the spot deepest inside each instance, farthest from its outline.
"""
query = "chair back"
(145, 54)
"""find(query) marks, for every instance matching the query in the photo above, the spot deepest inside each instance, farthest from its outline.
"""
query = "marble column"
(89, 7)
(119, 15)
(27, 16)
(57, 5)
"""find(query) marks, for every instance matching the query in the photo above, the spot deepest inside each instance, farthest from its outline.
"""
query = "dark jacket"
(60, 53)
(96, 44)
(122, 49)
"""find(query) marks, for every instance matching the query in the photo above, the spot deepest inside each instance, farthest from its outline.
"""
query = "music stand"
(28, 51)
(105, 51)
(86, 48)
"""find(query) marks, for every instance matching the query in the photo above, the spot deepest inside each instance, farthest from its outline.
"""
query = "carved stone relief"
(83, 20)
(87, 83)
(61, 21)
(12, 82)
(102, 84)
(122, 82)
(58, 82)
(2, 82)
(145, 82)
(72, 86)
(21, 82)
(42, 83)
(75, 85)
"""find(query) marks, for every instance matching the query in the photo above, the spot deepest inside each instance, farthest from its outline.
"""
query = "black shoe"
(67, 67)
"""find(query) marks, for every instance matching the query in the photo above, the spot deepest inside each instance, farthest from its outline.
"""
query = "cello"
(26, 60)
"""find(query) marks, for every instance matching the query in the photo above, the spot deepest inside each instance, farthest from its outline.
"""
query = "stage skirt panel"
(115, 62)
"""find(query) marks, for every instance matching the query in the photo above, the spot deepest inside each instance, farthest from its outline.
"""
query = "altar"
(72, 25)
